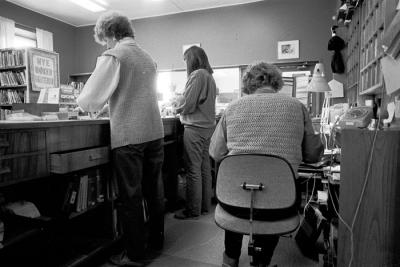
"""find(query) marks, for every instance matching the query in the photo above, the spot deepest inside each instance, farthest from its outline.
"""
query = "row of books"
(8, 78)
(11, 58)
(4, 113)
(83, 192)
(9, 97)
(67, 95)
(78, 86)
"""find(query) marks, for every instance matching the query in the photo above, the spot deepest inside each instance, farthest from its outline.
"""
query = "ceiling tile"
(72, 14)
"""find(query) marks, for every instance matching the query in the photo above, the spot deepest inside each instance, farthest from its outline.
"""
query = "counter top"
(59, 123)
(48, 124)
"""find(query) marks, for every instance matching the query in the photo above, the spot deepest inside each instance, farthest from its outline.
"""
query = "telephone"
(359, 117)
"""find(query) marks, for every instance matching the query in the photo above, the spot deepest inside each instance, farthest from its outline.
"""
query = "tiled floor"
(199, 243)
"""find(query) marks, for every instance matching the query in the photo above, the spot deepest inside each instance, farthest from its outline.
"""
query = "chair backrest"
(275, 173)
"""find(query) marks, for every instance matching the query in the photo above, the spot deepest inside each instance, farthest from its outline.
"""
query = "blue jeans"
(196, 142)
(138, 171)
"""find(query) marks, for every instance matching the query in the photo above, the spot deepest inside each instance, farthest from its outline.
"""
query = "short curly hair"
(261, 74)
(112, 24)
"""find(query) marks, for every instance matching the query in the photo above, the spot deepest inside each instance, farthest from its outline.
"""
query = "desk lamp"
(317, 85)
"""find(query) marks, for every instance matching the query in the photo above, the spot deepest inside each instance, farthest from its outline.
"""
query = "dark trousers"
(233, 245)
(138, 171)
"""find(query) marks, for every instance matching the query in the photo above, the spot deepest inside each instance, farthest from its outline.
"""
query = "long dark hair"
(196, 59)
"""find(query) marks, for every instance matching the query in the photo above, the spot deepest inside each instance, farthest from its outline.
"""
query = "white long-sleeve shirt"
(100, 85)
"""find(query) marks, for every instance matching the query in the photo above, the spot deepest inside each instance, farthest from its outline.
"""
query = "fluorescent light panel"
(89, 5)
(101, 2)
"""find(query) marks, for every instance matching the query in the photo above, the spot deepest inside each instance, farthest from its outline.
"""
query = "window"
(24, 37)
(170, 83)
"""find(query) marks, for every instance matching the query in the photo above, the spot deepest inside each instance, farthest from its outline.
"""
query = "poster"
(43, 69)
(49, 96)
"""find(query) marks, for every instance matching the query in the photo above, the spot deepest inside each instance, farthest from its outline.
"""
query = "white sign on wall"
(43, 69)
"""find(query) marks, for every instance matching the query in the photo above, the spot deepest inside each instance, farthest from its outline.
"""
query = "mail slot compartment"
(69, 161)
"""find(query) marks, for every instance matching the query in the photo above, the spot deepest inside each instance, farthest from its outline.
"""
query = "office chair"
(256, 196)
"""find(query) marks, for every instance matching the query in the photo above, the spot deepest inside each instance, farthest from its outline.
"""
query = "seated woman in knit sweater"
(264, 122)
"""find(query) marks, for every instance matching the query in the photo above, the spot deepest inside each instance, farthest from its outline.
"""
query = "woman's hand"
(79, 110)
(104, 112)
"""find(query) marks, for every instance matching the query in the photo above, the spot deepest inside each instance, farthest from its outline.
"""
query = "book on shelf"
(83, 192)
(71, 196)
(12, 78)
(77, 86)
(82, 201)
(11, 58)
(67, 96)
(99, 187)
(92, 191)
(4, 114)
(10, 97)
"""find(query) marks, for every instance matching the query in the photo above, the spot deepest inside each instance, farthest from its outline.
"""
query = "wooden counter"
(44, 162)
(48, 124)
(25, 147)
(376, 229)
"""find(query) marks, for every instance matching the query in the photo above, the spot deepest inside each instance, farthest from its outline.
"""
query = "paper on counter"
(336, 89)
(391, 70)
(322, 196)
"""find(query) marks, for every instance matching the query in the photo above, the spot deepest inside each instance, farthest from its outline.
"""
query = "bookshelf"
(372, 19)
(23, 73)
(78, 80)
(13, 77)
(68, 233)
(353, 57)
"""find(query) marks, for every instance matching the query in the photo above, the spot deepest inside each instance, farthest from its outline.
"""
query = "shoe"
(122, 259)
(266, 265)
(204, 212)
(184, 214)
(229, 262)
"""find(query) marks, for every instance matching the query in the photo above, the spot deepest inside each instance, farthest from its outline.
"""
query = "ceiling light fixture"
(89, 5)
(102, 2)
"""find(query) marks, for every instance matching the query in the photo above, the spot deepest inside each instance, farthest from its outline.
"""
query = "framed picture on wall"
(288, 49)
(43, 69)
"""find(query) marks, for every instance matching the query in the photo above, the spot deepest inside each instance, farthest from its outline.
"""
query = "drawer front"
(22, 167)
(22, 142)
(78, 160)
(22, 156)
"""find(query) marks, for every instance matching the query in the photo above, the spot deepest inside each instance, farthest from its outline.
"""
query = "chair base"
(229, 222)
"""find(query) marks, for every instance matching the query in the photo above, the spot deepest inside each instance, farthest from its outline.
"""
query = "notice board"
(43, 69)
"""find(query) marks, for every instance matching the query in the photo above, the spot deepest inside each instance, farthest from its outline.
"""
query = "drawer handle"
(4, 170)
(95, 157)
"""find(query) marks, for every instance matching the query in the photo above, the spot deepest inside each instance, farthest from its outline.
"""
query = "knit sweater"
(197, 107)
(267, 123)
(134, 113)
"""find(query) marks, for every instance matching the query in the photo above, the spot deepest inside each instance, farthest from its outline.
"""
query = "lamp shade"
(318, 82)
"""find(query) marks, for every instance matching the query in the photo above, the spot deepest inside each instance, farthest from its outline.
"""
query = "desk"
(323, 180)
(376, 229)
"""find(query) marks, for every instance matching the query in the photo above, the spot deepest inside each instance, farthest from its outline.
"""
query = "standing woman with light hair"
(125, 75)
(197, 114)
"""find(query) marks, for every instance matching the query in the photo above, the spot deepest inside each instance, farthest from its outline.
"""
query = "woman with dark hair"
(197, 114)
(264, 122)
